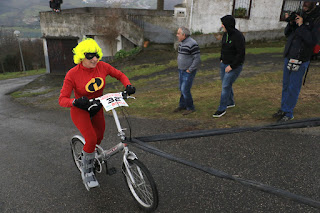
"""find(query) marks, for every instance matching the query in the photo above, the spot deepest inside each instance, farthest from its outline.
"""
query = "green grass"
(143, 70)
(264, 50)
(258, 50)
(24, 94)
(9, 75)
(257, 96)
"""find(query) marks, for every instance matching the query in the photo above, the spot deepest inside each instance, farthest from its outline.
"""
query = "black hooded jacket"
(233, 43)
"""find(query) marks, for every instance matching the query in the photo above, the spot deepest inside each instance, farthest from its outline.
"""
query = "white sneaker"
(230, 106)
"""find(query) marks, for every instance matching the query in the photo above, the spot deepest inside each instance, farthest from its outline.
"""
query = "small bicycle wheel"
(76, 149)
(143, 189)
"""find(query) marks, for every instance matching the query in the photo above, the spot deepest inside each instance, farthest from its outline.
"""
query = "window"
(289, 6)
(241, 8)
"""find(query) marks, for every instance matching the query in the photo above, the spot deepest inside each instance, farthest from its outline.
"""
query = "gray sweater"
(188, 55)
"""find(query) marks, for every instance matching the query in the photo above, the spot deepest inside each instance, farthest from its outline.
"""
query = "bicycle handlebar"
(123, 94)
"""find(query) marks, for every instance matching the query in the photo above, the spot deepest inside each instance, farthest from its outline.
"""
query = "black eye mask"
(90, 56)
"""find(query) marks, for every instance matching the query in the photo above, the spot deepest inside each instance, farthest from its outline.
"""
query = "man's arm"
(195, 52)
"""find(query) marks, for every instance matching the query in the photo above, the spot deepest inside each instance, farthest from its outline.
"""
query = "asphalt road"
(38, 175)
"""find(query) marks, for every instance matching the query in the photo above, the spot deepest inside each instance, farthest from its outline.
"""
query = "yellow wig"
(87, 45)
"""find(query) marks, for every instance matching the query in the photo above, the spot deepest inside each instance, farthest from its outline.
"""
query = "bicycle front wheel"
(142, 186)
(76, 149)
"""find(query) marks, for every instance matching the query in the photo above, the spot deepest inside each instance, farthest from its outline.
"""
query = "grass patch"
(251, 50)
(257, 98)
(265, 50)
(9, 75)
(257, 94)
(31, 93)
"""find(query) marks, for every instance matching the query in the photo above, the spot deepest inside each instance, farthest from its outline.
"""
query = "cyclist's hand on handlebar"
(95, 107)
(82, 103)
(130, 90)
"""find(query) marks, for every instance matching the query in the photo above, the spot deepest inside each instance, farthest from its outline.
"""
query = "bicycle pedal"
(112, 171)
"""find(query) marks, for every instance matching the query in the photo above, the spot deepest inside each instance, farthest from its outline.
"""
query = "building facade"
(116, 29)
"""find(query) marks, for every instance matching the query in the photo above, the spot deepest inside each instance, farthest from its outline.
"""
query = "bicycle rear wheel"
(76, 149)
(144, 189)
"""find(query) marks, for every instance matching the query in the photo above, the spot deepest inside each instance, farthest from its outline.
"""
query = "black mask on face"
(90, 56)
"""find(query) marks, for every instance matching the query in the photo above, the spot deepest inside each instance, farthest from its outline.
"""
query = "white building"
(257, 19)
(117, 29)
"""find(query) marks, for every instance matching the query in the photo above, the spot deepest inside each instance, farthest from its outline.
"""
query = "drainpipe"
(46, 55)
(191, 11)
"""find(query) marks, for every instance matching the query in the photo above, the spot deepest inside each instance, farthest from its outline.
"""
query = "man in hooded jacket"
(232, 58)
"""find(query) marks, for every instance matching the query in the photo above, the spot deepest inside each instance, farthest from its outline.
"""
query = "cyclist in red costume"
(87, 81)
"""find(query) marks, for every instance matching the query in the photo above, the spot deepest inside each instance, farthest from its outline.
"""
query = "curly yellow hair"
(87, 45)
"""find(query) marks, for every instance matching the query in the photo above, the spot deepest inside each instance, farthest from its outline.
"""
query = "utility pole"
(17, 33)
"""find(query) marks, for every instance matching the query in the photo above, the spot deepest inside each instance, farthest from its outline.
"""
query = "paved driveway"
(38, 175)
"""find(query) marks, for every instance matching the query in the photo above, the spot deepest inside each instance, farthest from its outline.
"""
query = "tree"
(10, 60)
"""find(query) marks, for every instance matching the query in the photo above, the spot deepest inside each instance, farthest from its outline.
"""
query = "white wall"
(206, 15)
(264, 15)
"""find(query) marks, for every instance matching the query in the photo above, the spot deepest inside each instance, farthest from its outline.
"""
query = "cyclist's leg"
(82, 121)
(99, 124)
(87, 173)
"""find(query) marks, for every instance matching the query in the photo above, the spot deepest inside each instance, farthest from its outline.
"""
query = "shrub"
(240, 12)
(123, 54)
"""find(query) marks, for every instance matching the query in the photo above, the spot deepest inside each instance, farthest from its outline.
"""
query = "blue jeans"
(291, 86)
(185, 84)
(227, 78)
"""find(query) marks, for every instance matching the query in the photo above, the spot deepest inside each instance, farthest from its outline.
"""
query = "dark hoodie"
(233, 43)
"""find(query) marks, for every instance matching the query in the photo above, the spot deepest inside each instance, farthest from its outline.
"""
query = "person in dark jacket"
(297, 54)
(232, 59)
(55, 5)
(311, 17)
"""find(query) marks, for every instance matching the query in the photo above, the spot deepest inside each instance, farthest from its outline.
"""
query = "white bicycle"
(138, 178)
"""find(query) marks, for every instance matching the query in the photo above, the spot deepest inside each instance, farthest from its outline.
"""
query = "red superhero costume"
(88, 82)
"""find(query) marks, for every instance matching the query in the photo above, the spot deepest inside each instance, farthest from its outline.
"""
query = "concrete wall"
(104, 27)
(160, 29)
(161, 26)
(134, 25)
(263, 23)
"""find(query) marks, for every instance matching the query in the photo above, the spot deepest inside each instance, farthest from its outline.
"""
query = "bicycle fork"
(127, 154)
(131, 156)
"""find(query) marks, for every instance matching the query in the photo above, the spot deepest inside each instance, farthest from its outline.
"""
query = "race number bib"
(112, 100)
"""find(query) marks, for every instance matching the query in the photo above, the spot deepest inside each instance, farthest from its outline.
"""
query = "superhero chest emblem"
(94, 84)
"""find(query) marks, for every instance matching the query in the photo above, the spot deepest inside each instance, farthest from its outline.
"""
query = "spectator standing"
(188, 63)
(231, 62)
(55, 5)
(297, 54)
(311, 16)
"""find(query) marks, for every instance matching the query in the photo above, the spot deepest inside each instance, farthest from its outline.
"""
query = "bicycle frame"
(106, 154)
